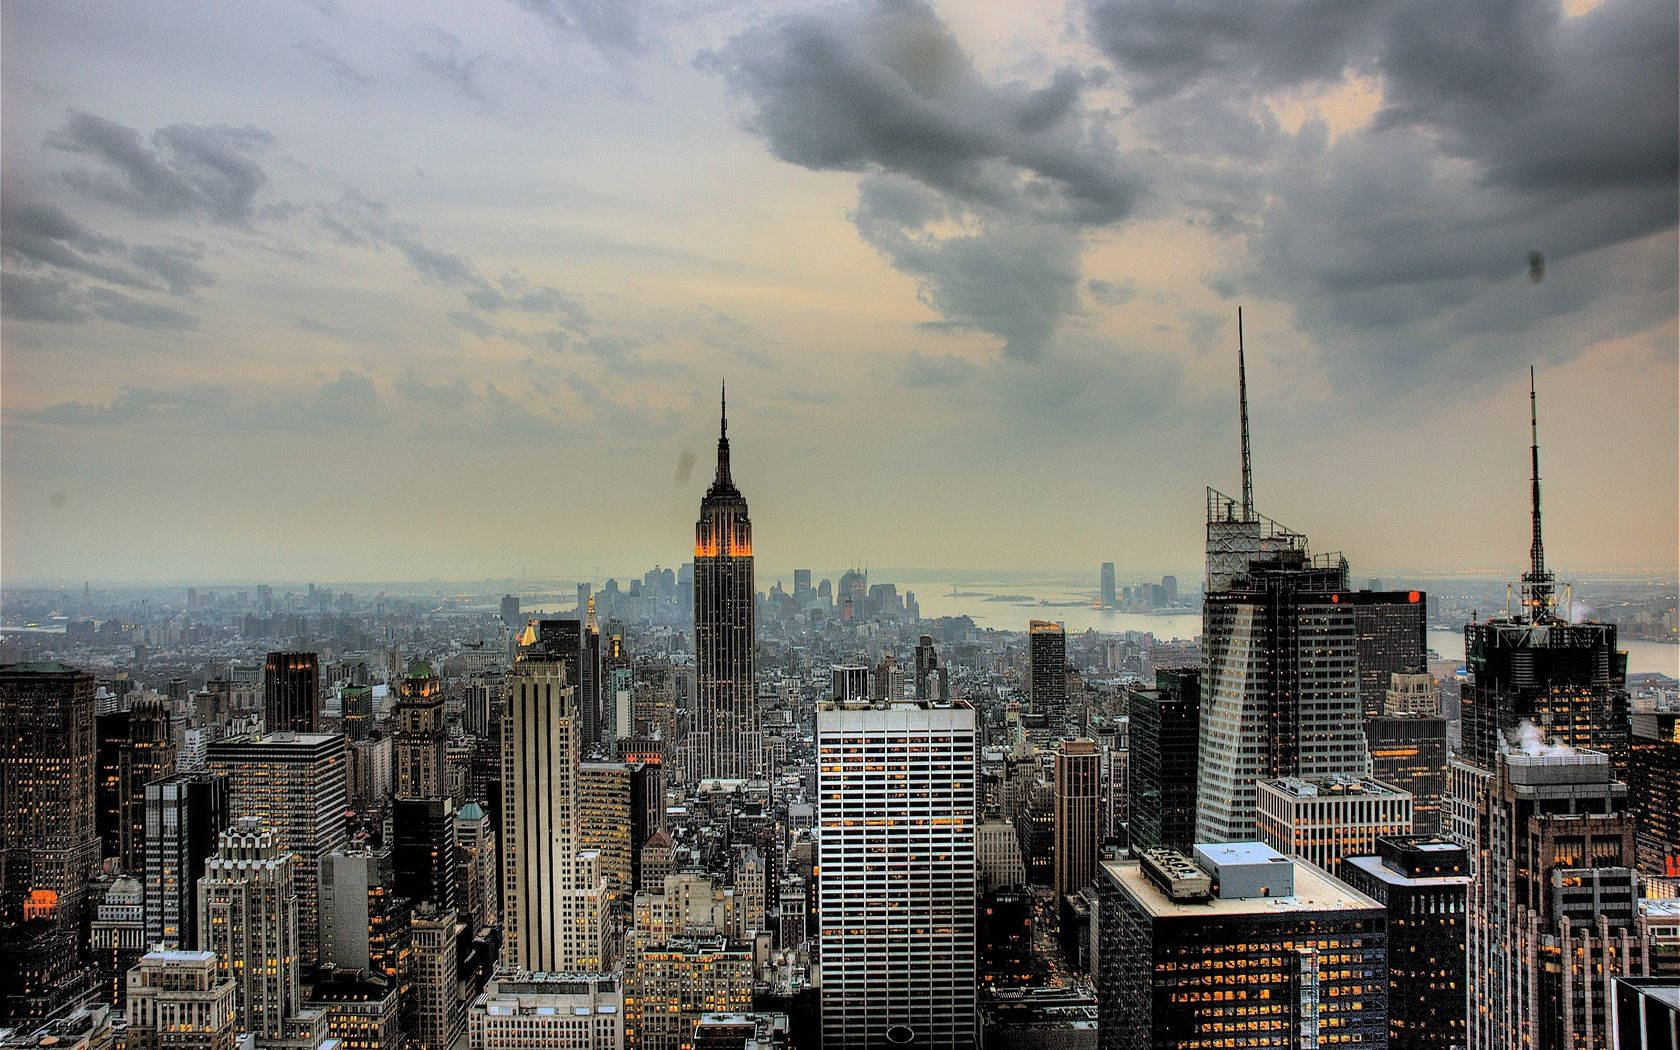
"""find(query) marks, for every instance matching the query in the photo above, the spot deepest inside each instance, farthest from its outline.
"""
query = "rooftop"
(1315, 889)
(1334, 786)
(1374, 867)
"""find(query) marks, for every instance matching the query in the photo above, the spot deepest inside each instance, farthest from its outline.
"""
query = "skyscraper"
(553, 892)
(1324, 819)
(1237, 942)
(181, 1000)
(931, 683)
(725, 739)
(417, 749)
(1391, 640)
(1424, 882)
(1164, 726)
(896, 810)
(150, 756)
(185, 817)
(294, 785)
(1077, 829)
(1047, 674)
(1567, 679)
(1109, 600)
(248, 917)
(1654, 790)
(292, 692)
(48, 841)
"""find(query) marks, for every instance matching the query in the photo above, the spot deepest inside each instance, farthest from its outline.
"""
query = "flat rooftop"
(1333, 787)
(1374, 867)
(1315, 890)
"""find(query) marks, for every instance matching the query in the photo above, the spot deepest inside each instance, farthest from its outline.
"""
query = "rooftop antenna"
(1242, 398)
(1537, 582)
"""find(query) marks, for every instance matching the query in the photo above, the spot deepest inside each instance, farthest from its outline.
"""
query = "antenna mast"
(1242, 398)
(1537, 582)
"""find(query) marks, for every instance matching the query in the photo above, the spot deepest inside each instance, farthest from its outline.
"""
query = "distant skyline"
(331, 292)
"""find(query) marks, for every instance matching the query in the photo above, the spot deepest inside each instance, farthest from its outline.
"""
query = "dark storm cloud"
(205, 171)
(1010, 277)
(56, 299)
(614, 27)
(1017, 171)
(1504, 127)
(887, 88)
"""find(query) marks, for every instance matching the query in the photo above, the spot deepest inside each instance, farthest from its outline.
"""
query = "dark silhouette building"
(292, 692)
(185, 816)
(49, 845)
(1392, 639)
(725, 739)
(1424, 882)
(1654, 790)
(1165, 727)
(1047, 674)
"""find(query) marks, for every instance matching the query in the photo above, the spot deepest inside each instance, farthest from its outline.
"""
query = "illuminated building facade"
(604, 822)
(180, 1000)
(185, 817)
(248, 921)
(725, 739)
(671, 984)
(1238, 946)
(896, 818)
(1047, 675)
(1410, 752)
(417, 746)
(1323, 819)
(293, 784)
(150, 756)
(553, 891)
(292, 692)
(1390, 627)
(360, 1007)
(1654, 790)
(1554, 913)
(549, 1011)
(1164, 730)
(49, 842)
(1076, 815)
(117, 937)
(1424, 882)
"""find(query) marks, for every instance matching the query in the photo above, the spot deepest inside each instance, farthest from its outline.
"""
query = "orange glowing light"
(40, 905)
(1335, 599)
(1413, 597)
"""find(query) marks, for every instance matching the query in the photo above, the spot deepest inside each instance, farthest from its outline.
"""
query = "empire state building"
(725, 740)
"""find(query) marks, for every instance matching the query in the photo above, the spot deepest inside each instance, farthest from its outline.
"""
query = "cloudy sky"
(320, 290)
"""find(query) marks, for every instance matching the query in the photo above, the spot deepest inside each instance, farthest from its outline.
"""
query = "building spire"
(723, 436)
(1538, 584)
(1242, 400)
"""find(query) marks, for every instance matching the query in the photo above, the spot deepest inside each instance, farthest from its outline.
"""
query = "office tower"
(574, 644)
(111, 781)
(657, 855)
(356, 706)
(476, 838)
(553, 893)
(1047, 674)
(117, 937)
(549, 1012)
(417, 746)
(181, 1000)
(1647, 1013)
(1391, 632)
(361, 1008)
(1554, 913)
(150, 756)
(360, 909)
(896, 812)
(604, 822)
(1323, 819)
(1654, 790)
(1410, 752)
(248, 919)
(424, 857)
(1412, 693)
(997, 856)
(802, 586)
(294, 785)
(440, 1012)
(849, 682)
(1424, 882)
(185, 817)
(510, 611)
(292, 693)
(725, 739)
(1076, 815)
(930, 676)
(1238, 942)
(1109, 600)
(889, 679)
(1004, 937)
(49, 844)
(1566, 678)
(1169, 589)
(1164, 727)
(671, 985)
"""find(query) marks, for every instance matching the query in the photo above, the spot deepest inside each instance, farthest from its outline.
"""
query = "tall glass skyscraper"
(725, 740)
